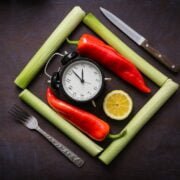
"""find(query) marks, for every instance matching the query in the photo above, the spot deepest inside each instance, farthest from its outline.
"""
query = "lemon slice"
(117, 105)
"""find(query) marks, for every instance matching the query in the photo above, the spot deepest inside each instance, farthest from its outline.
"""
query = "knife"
(139, 39)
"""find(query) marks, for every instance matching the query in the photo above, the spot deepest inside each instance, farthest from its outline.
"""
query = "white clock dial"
(82, 80)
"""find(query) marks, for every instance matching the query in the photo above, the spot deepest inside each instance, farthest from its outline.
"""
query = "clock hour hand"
(78, 76)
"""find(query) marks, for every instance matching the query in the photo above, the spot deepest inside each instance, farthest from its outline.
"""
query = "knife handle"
(161, 58)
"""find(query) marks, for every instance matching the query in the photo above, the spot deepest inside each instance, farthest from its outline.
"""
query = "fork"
(31, 122)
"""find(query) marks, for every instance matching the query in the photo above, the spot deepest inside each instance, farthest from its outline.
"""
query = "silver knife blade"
(139, 39)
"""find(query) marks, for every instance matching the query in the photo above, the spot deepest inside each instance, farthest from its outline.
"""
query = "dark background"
(153, 154)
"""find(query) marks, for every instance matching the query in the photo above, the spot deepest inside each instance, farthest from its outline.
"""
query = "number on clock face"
(82, 80)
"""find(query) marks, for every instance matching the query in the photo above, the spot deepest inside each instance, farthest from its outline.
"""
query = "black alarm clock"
(80, 78)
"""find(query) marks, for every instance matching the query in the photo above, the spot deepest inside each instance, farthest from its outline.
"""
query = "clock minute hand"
(82, 80)
(82, 74)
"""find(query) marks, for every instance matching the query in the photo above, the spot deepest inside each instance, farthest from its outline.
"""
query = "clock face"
(82, 80)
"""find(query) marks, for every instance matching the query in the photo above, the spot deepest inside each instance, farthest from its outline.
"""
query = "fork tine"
(16, 117)
(18, 113)
(22, 112)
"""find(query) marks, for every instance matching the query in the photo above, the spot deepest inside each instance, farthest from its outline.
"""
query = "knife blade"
(139, 39)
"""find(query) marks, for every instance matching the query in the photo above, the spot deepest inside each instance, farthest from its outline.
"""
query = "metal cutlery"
(31, 122)
(139, 39)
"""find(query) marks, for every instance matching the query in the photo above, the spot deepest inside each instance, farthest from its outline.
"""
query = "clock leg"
(93, 103)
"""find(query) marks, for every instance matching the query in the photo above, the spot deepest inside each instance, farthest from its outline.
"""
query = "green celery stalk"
(151, 72)
(139, 120)
(63, 30)
(54, 118)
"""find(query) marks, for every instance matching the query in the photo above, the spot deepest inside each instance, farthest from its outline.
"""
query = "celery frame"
(163, 83)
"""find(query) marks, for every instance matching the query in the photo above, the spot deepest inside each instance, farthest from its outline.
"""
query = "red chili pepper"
(96, 49)
(91, 125)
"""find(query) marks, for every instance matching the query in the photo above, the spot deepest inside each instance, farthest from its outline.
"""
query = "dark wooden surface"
(153, 154)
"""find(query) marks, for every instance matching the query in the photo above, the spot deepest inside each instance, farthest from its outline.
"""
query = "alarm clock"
(80, 78)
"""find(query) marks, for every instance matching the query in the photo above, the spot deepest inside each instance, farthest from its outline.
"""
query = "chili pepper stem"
(116, 136)
(71, 42)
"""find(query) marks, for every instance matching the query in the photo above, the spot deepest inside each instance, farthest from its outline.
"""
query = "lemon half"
(117, 105)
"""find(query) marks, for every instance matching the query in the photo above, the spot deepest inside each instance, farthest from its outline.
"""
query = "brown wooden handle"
(161, 58)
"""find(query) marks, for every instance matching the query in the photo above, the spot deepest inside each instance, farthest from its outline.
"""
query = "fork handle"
(74, 158)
